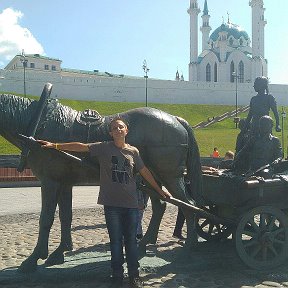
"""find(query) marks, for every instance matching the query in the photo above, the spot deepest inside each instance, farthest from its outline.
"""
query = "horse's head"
(15, 115)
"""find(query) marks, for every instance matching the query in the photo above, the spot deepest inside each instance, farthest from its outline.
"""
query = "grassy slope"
(223, 134)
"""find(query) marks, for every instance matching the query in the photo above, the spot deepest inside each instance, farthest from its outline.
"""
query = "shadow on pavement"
(208, 265)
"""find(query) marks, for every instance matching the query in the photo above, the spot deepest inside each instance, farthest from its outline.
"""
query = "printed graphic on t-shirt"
(121, 170)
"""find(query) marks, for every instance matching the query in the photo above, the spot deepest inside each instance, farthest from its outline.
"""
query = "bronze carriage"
(253, 210)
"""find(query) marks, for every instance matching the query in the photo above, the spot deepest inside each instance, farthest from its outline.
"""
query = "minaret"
(258, 23)
(193, 11)
(205, 28)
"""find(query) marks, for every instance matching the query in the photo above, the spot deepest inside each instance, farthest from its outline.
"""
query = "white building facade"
(211, 79)
(227, 53)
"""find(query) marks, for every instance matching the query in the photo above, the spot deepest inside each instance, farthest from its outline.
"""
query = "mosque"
(227, 51)
(227, 65)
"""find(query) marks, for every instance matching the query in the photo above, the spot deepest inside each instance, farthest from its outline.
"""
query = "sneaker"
(116, 282)
(135, 282)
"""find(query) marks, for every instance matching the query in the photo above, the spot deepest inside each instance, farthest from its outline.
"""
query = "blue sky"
(116, 36)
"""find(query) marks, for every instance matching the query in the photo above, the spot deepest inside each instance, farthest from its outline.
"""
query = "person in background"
(215, 153)
(119, 163)
(227, 162)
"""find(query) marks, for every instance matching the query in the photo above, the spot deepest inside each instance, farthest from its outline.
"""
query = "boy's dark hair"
(117, 118)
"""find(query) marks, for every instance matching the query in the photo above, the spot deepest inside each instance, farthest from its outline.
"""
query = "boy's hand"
(165, 194)
(46, 144)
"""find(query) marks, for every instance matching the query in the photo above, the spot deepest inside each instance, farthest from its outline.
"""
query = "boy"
(119, 163)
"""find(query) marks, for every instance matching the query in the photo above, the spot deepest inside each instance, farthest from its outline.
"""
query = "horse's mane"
(15, 111)
(16, 114)
(55, 111)
(57, 120)
(64, 124)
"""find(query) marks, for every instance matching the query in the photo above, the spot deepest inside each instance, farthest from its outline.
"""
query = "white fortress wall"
(129, 89)
(280, 92)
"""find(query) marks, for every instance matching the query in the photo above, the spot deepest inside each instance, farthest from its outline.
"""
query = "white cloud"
(14, 38)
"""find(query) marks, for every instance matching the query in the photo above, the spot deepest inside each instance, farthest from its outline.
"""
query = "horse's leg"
(192, 237)
(150, 237)
(65, 215)
(49, 202)
(178, 187)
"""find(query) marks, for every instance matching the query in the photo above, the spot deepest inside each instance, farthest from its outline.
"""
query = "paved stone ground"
(167, 264)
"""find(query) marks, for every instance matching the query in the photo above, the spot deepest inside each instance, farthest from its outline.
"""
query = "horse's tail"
(194, 172)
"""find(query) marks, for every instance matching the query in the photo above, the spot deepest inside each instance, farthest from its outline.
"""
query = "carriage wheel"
(262, 237)
(209, 230)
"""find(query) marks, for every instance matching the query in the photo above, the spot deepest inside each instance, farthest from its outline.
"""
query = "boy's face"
(118, 129)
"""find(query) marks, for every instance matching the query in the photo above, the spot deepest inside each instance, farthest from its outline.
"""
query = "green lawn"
(222, 135)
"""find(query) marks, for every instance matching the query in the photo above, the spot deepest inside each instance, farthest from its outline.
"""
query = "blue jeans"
(122, 223)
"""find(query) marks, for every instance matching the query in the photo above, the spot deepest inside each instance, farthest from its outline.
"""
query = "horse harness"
(86, 119)
(89, 119)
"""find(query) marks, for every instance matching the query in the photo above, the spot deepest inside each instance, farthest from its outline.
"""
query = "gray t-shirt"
(118, 168)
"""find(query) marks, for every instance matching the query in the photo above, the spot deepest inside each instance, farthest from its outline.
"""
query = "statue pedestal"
(87, 266)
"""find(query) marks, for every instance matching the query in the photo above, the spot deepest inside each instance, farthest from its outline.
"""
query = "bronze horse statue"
(166, 143)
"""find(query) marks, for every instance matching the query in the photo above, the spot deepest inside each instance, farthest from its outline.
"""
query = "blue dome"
(232, 29)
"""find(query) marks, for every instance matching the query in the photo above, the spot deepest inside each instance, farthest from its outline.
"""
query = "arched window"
(231, 41)
(232, 69)
(241, 71)
(215, 73)
(208, 72)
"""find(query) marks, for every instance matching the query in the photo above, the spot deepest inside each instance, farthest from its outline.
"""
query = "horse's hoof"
(54, 259)
(28, 266)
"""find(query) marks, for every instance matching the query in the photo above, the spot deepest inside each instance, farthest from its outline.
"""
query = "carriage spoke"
(253, 224)
(249, 233)
(255, 251)
(204, 224)
(250, 243)
(273, 250)
(210, 230)
(280, 242)
(262, 223)
(264, 253)
(277, 232)
(271, 223)
(218, 228)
